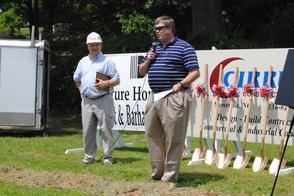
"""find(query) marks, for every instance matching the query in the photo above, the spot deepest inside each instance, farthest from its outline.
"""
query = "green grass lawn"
(46, 154)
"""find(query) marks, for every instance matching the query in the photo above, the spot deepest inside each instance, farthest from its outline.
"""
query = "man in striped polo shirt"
(172, 66)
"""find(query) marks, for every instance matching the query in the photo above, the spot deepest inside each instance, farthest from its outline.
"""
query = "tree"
(9, 21)
(207, 21)
(127, 26)
(27, 11)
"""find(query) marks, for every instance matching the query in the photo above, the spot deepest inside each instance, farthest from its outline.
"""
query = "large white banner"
(131, 95)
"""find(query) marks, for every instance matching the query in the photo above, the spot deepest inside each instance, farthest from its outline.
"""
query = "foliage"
(259, 23)
(9, 21)
(127, 26)
(281, 28)
(135, 23)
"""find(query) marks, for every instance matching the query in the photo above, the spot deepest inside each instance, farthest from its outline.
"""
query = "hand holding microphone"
(152, 52)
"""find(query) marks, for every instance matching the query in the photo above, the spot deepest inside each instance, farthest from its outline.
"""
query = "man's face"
(163, 32)
(94, 48)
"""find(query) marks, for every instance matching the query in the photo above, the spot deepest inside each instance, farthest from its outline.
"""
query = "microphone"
(153, 46)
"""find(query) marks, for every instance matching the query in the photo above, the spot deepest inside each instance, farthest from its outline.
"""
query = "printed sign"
(132, 93)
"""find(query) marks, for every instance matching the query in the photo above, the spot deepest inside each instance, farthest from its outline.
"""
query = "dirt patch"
(92, 184)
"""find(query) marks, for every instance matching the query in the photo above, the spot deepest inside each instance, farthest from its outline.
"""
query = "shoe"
(155, 177)
(168, 180)
(108, 161)
(88, 161)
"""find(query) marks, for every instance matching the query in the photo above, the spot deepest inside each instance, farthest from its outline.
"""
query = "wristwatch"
(182, 85)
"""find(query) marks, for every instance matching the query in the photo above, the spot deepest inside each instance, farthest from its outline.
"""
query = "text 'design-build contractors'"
(132, 93)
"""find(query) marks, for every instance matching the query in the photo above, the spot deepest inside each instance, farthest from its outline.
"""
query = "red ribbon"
(232, 92)
(266, 92)
(201, 90)
(218, 90)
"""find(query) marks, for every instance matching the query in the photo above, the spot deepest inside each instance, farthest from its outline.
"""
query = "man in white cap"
(95, 77)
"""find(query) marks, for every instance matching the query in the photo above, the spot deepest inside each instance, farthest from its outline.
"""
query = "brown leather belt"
(98, 97)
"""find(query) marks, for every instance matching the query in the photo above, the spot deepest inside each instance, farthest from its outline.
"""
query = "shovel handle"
(248, 111)
(201, 121)
(205, 73)
(202, 110)
(228, 123)
(265, 113)
(284, 132)
(216, 110)
(214, 118)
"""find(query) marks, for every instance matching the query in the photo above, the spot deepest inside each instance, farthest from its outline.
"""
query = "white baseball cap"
(93, 38)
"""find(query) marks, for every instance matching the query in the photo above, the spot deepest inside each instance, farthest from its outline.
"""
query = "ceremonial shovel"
(241, 161)
(199, 153)
(211, 155)
(260, 162)
(223, 159)
(275, 163)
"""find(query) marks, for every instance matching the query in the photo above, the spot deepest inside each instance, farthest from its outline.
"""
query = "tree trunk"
(33, 15)
(48, 11)
(207, 18)
(36, 17)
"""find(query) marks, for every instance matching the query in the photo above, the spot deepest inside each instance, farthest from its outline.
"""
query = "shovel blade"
(223, 160)
(275, 165)
(238, 162)
(198, 154)
(197, 157)
(210, 157)
(245, 161)
(220, 160)
(259, 163)
(220, 163)
(241, 161)
(228, 160)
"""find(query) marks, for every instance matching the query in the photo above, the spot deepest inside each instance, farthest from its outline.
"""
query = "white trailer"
(24, 84)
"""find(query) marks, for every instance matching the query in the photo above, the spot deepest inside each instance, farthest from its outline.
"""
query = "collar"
(97, 57)
(172, 42)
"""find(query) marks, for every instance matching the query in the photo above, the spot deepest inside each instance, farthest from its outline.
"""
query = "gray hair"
(167, 21)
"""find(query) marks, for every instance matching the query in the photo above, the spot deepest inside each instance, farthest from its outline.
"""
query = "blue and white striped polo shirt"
(171, 65)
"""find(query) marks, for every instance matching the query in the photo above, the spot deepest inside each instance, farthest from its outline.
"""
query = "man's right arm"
(143, 68)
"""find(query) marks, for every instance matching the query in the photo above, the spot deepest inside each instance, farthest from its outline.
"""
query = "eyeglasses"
(94, 44)
(159, 28)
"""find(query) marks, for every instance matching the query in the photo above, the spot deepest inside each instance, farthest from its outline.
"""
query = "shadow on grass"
(126, 160)
(133, 149)
(290, 163)
(36, 133)
(64, 133)
(20, 133)
(196, 179)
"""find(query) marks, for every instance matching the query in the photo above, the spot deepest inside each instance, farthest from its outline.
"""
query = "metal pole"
(32, 36)
(277, 175)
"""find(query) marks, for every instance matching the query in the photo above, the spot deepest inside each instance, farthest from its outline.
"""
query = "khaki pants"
(166, 125)
(98, 112)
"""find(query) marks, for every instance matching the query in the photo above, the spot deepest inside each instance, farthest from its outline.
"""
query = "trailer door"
(18, 86)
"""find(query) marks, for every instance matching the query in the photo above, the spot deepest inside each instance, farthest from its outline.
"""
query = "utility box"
(24, 84)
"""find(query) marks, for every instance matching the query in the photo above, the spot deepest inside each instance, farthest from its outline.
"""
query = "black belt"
(97, 97)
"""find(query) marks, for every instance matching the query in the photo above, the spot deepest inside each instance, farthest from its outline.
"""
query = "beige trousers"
(166, 123)
(98, 112)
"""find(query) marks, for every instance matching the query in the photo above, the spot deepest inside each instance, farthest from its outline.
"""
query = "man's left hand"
(177, 88)
(101, 84)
